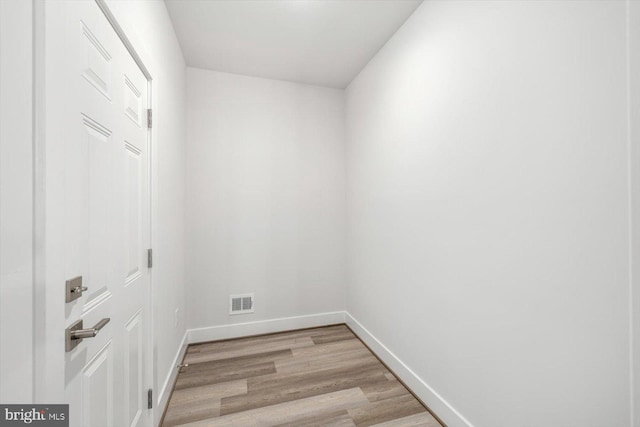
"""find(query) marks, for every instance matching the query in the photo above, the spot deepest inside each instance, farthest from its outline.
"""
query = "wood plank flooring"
(313, 377)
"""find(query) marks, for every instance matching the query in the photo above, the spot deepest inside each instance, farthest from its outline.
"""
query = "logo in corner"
(34, 415)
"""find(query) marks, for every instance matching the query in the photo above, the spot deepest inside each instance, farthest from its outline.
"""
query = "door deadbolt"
(74, 289)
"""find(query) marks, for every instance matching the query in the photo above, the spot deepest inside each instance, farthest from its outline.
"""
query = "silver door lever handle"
(74, 334)
(91, 332)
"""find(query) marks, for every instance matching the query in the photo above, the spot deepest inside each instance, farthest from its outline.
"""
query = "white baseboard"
(428, 395)
(238, 330)
(165, 391)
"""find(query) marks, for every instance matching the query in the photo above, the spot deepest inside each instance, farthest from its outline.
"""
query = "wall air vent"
(241, 304)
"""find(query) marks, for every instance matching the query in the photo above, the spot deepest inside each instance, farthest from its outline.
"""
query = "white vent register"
(241, 304)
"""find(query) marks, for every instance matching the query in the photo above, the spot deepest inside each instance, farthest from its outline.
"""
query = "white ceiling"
(320, 42)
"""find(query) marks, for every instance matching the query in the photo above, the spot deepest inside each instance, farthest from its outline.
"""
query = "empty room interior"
(257, 213)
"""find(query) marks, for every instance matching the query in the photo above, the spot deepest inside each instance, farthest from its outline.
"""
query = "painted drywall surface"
(287, 40)
(148, 24)
(634, 134)
(265, 197)
(487, 198)
(16, 201)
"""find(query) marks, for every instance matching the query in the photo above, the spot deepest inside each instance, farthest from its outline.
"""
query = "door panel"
(133, 232)
(132, 102)
(97, 218)
(97, 63)
(97, 385)
(133, 374)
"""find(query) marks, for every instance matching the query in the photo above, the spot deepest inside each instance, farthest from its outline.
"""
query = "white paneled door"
(95, 221)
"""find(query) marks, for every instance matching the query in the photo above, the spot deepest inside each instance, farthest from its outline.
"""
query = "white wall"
(488, 208)
(147, 23)
(634, 145)
(16, 201)
(265, 197)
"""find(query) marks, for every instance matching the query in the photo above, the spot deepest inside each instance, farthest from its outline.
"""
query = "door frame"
(142, 59)
(16, 202)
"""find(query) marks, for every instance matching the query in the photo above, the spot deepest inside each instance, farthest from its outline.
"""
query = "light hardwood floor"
(313, 377)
